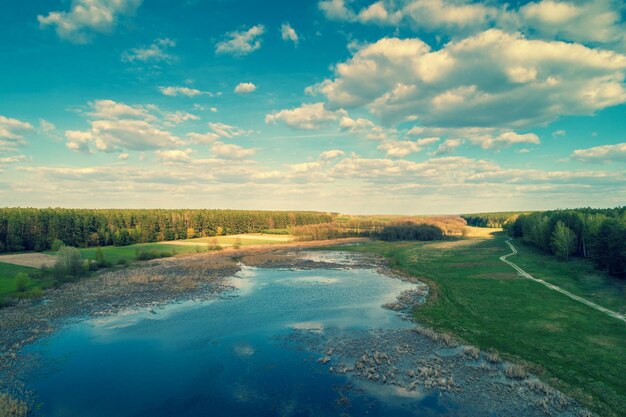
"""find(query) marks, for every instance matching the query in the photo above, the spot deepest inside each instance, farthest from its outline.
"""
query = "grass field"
(481, 300)
(7, 279)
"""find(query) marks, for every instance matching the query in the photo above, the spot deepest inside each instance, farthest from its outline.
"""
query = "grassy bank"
(481, 300)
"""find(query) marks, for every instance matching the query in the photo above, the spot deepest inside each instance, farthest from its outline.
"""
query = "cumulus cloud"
(240, 43)
(402, 148)
(490, 79)
(331, 154)
(183, 91)
(117, 126)
(245, 88)
(307, 116)
(590, 21)
(604, 153)
(595, 21)
(230, 151)
(156, 52)
(87, 16)
(287, 33)
(178, 117)
(504, 139)
(174, 155)
(419, 14)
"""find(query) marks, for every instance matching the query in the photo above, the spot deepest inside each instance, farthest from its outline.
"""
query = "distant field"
(483, 301)
(244, 239)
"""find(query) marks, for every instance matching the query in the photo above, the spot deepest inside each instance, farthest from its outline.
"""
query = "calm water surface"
(224, 357)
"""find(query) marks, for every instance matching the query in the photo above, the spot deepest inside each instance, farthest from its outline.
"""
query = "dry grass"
(471, 231)
(492, 357)
(33, 260)
(515, 371)
(444, 338)
(10, 407)
(471, 351)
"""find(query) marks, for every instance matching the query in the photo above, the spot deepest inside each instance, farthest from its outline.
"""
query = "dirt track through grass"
(555, 288)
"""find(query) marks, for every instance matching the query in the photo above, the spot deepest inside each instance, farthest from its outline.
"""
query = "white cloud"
(117, 126)
(504, 139)
(594, 21)
(245, 88)
(287, 33)
(46, 126)
(87, 16)
(240, 43)
(307, 116)
(13, 159)
(12, 128)
(178, 117)
(419, 14)
(158, 51)
(604, 153)
(402, 148)
(490, 79)
(198, 138)
(336, 10)
(123, 156)
(183, 91)
(12, 133)
(559, 132)
(448, 146)
(174, 155)
(331, 154)
(228, 131)
(230, 151)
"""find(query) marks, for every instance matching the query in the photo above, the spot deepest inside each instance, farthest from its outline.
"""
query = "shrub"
(21, 281)
(122, 262)
(69, 264)
(56, 245)
(237, 244)
(148, 254)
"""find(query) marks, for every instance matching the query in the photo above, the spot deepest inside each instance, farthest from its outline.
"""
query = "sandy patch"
(34, 260)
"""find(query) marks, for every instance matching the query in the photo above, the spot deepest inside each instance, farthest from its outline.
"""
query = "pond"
(224, 357)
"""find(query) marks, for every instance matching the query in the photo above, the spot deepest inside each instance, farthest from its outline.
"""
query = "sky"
(363, 106)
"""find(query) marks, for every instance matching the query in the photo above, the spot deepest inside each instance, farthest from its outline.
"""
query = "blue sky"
(406, 106)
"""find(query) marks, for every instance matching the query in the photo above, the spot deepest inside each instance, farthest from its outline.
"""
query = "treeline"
(408, 228)
(29, 229)
(597, 234)
(495, 220)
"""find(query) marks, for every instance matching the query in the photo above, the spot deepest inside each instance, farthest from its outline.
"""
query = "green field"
(482, 301)
(7, 279)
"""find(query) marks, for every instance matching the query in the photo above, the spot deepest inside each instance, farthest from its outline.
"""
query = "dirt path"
(555, 288)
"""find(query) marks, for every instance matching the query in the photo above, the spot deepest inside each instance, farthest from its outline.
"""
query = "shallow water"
(225, 357)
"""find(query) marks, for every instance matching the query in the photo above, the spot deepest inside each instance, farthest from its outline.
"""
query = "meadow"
(482, 301)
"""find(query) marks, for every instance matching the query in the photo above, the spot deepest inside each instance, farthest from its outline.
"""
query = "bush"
(148, 254)
(69, 264)
(56, 245)
(21, 281)
(122, 262)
